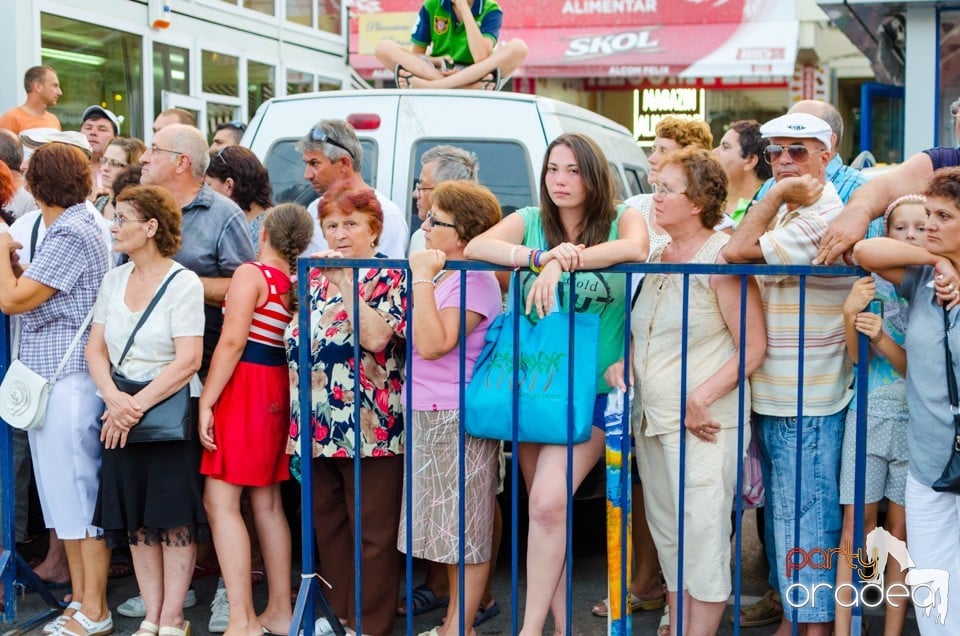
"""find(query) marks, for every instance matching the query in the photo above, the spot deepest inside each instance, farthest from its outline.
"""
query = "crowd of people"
(171, 266)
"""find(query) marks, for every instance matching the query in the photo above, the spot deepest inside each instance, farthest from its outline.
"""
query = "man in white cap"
(785, 228)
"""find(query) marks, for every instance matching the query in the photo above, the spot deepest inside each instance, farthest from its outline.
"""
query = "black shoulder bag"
(950, 479)
(170, 420)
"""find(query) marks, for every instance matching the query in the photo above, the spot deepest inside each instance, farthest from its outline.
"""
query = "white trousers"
(933, 540)
(66, 457)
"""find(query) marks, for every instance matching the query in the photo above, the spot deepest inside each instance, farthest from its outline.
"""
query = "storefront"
(739, 58)
(930, 68)
(218, 58)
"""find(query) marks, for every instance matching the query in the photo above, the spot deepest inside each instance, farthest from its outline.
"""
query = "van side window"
(285, 166)
(504, 168)
(618, 184)
(636, 179)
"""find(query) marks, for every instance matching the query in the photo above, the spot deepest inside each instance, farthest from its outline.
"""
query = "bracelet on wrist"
(424, 281)
(538, 257)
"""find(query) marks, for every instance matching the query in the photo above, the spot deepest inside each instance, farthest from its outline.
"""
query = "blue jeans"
(819, 509)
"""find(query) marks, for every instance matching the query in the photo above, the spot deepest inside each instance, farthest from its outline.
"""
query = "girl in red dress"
(244, 420)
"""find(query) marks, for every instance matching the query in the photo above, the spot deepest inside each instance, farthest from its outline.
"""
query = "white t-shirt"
(393, 238)
(418, 242)
(179, 312)
(22, 231)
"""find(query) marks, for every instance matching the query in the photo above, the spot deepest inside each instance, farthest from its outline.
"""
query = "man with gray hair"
(439, 164)
(11, 153)
(215, 239)
(332, 153)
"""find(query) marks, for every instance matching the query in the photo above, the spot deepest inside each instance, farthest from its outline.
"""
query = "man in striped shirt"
(785, 228)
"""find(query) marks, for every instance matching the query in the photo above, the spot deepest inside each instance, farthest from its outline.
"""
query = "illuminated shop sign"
(650, 105)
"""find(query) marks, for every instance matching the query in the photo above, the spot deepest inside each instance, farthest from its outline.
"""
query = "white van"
(509, 132)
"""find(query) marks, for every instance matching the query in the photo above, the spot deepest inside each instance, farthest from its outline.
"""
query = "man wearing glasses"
(227, 134)
(331, 152)
(439, 164)
(785, 228)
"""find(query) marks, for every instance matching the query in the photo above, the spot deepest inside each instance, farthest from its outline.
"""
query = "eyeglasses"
(955, 108)
(660, 188)
(117, 165)
(155, 149)
(432, 220)
(120, 220)
(320, 136)
(797, 152)
(419, 188)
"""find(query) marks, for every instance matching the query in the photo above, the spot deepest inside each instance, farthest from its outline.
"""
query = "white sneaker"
(321, 628)
(134, 607)
(219, 612)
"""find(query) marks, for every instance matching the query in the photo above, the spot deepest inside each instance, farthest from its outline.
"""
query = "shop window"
(262, 6)
(325, 84)
(220, 74)
(299, 82)
(328, 16)
(300, 12)
(949, 89)
(171, 73)
(260, 85)
(220, 114)
(95, 65)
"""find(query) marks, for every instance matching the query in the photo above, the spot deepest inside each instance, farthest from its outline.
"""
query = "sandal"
(486, 613)
(491, 81)
(61, 620)
(174, 631)
(424, 600)
(402, 77)
(637, 604)
(90, 627)
(767, 611)
(147, 629)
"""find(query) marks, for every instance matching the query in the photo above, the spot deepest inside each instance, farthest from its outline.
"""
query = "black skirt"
(152, 493)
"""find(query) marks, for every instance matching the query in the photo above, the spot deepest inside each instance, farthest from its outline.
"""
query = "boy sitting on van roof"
(462, 41)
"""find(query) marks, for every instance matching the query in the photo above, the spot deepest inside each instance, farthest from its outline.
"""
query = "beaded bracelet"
(424, 280)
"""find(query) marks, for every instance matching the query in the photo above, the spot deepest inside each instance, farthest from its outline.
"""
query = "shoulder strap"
(951, 380)
(73, 344)
(33, 236)
(146, 314)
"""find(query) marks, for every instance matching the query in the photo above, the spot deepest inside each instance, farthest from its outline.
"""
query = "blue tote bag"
(544, 387)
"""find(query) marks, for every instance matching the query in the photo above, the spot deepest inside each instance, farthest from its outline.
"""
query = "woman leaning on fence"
(351, 220)
(688, 202)
(577, 226)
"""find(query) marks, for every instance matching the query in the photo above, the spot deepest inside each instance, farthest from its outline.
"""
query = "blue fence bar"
(311, 593)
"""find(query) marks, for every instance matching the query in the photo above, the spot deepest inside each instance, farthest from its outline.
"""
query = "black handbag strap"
(146, 314)
(33, 236)
(951, 381)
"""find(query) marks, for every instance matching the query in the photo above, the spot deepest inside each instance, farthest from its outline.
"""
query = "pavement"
(589, 586)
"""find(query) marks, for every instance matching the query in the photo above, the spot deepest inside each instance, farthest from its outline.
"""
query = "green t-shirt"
(438, 24)
(601, 294)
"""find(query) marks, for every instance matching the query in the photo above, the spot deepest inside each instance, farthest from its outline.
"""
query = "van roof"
(544, 104)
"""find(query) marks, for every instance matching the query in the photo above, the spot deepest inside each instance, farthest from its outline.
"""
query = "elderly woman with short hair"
(688, 203)
(151, 492)
(54, 297)
(351, 220)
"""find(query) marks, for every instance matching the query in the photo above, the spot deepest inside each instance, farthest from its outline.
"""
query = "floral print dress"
(332, 371)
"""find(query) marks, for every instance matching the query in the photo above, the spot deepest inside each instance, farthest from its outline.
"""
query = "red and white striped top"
(272, 317)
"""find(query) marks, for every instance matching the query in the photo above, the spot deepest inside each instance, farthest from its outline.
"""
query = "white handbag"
(24, 392)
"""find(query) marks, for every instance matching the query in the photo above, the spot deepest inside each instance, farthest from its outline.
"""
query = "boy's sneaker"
(134, 607)
(321, 628)
(219, 612)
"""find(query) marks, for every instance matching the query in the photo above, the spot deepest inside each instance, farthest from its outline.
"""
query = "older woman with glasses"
(120, 153)
(461, 210)
(236, 173)
(688, 203)
(351, 219)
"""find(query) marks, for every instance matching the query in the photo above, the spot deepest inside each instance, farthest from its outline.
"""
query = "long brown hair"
(598, 206)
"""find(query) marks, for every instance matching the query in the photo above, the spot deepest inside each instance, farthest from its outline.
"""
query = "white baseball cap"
(798, 126)
(36, 137)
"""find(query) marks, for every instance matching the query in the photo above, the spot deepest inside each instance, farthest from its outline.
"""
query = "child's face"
(906, 224)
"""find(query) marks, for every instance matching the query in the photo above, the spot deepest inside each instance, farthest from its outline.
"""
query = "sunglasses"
(238, 125)
(219, 156)
(320, 136)
(797, 152)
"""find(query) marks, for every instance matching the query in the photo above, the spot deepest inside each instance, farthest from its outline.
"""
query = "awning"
(628, 38)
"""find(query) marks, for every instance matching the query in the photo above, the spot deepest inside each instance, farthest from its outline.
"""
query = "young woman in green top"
(578, 226)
